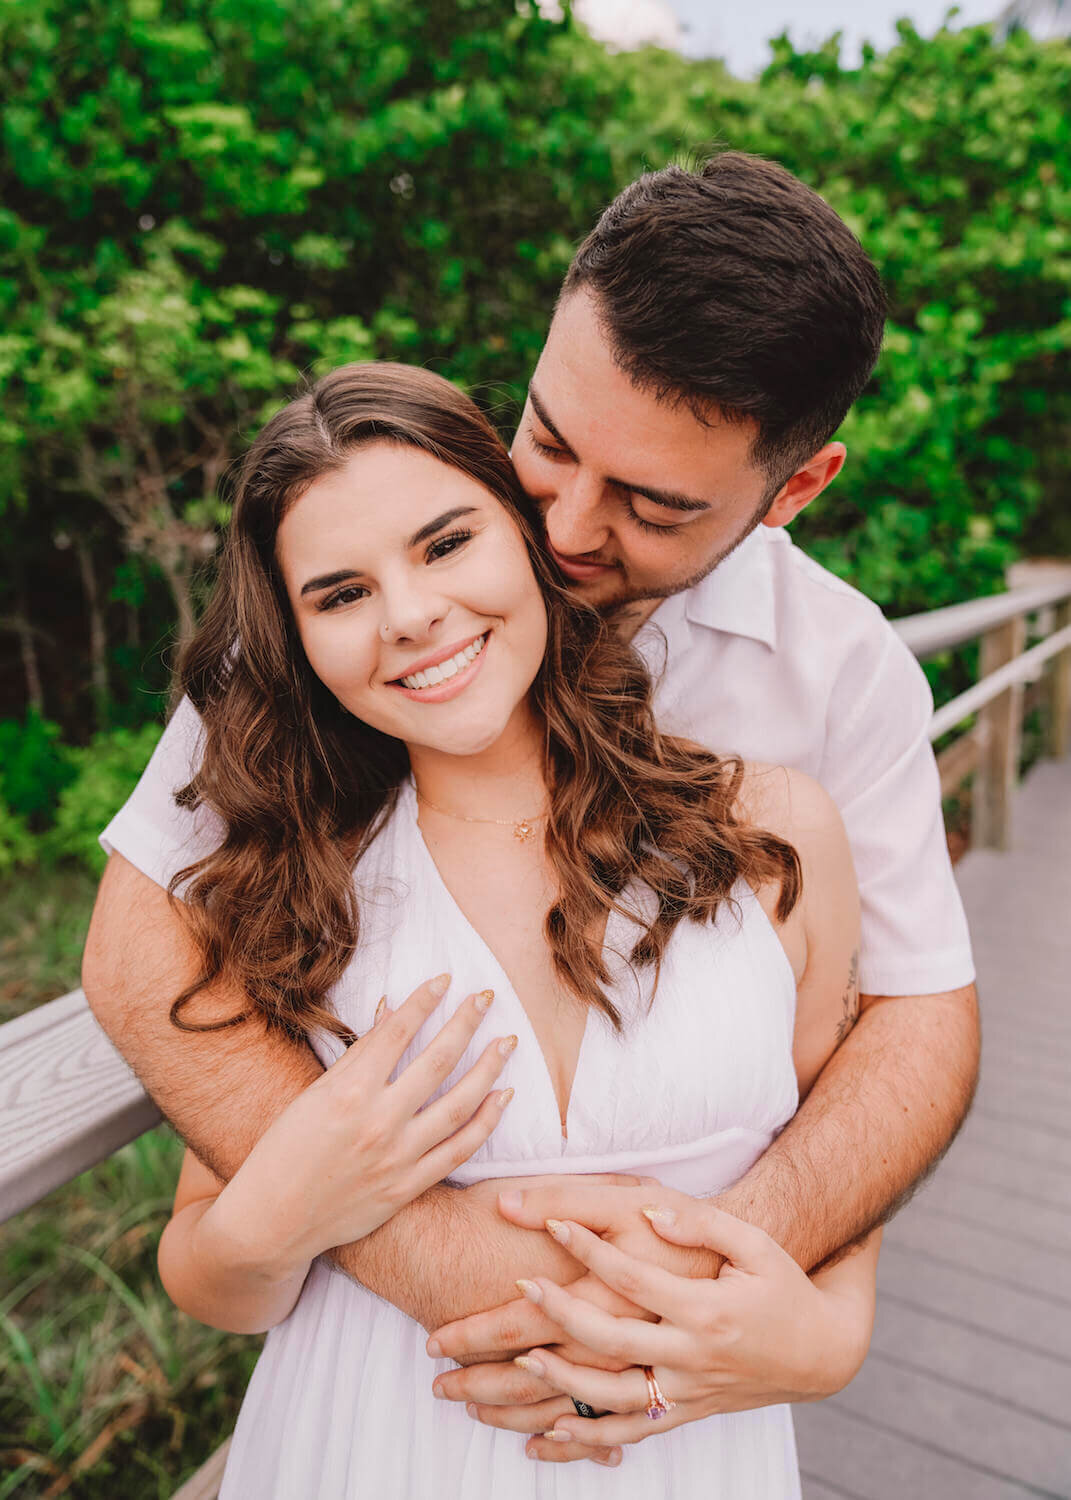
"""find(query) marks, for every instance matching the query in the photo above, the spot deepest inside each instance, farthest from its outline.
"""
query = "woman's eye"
(442, 546)
(348, 595)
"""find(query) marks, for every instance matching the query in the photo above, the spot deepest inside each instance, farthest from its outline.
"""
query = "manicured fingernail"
(434, 1348)
(483, 1000)
(504, 1097)
(470, 1407)
(437, 1392)
(559, 1437)
(506, 1045)
(530, 1453)
(660, 1215)
(531, 1290)
(611, 1459)
(440, 985)
(533, 1366)
(511, 1200)
(559, 1230)
(380, 1008)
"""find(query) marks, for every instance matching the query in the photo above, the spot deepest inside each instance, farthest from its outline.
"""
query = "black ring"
(582, 1408)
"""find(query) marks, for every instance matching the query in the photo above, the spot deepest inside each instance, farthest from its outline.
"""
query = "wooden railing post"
(1000, 725)
(1058, 691)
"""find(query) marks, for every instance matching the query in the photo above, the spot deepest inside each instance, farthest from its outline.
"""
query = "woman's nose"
(408, 614)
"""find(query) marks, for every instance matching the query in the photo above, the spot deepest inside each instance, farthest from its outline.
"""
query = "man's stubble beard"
(617, 610)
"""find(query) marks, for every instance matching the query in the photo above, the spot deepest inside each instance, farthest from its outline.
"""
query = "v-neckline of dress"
(504, 984)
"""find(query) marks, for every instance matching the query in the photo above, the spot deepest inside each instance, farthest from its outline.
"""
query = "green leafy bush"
(18, 847)
(107, 770)
(34, 766)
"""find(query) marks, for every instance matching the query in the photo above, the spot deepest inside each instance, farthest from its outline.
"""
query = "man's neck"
(628, 619)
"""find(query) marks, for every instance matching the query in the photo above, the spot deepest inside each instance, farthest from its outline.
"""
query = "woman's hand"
(612, 1208)
(761, 1333)
(353, 1148)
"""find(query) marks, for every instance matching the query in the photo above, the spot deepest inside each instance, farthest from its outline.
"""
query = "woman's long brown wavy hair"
(301, 786)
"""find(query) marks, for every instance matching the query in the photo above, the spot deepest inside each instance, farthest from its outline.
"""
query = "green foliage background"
(201, 200)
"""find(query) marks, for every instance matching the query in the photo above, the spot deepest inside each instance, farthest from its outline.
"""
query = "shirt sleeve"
(880, 769)
(150, 830)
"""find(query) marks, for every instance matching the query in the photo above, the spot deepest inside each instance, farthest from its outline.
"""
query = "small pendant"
(523, 830)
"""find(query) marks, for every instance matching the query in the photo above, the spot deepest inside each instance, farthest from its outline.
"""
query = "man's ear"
(805, 484)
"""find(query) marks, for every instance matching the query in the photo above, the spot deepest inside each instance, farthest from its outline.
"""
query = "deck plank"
(992, 1252)
(973, 1359)
(866, 1459)
(967, 1426)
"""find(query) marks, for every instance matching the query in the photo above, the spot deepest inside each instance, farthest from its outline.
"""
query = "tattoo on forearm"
(850, 1000)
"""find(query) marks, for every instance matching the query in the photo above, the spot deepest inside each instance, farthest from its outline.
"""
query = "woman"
(415, 743)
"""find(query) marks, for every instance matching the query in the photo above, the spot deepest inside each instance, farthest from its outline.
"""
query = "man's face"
(639, 497)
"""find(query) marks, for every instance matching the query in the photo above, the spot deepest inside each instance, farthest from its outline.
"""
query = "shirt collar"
(738, 595)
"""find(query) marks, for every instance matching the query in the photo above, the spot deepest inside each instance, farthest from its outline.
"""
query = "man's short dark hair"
(737, 290)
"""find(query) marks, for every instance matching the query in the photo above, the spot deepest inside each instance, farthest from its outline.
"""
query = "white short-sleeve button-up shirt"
(775, 659)
(771, 658)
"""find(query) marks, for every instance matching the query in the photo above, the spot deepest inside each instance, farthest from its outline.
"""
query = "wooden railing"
(990, 749)
(68, 1100)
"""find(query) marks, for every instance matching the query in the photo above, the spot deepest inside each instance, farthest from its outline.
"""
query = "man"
(711, 334)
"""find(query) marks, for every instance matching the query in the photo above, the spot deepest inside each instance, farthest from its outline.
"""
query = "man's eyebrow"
(327, 580)
(544, 416)
(669, 498)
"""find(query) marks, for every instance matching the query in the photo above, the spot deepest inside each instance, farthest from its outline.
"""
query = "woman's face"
(414, 598)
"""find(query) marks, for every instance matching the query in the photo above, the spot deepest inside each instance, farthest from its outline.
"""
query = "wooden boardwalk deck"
(966, 1394)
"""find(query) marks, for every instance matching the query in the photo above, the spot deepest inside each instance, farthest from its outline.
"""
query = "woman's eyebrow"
(327, 579)
(432, 527)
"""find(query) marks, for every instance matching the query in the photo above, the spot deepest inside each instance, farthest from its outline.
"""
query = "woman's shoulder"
(788, 803)
(822, 930)
(798, 809)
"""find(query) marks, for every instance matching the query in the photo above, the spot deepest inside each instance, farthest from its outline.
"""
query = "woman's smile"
(446, 673)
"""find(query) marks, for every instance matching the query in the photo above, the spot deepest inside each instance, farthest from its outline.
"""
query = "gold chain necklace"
(523, 828)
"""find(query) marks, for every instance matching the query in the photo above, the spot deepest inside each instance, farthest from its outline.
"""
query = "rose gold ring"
(659, 1404)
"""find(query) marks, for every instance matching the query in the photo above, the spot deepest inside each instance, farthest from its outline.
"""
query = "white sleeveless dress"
(340, 1406)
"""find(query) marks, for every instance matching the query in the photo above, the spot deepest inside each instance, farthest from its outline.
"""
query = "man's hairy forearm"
(880, 1115)
(446, 1256)
(440, 1258)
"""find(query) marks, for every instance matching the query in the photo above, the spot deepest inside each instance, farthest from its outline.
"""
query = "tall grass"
(107, 1391)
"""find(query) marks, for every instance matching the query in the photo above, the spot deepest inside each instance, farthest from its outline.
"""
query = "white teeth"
(446, 669)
